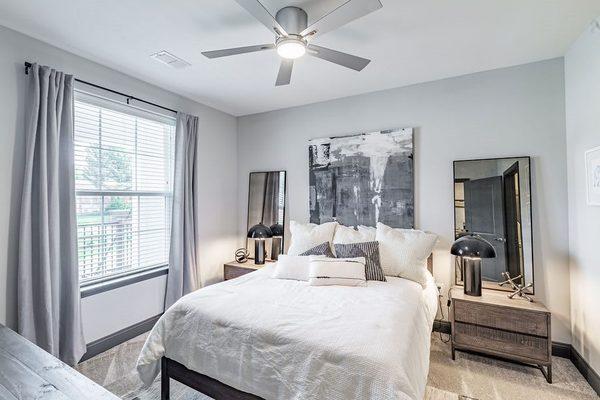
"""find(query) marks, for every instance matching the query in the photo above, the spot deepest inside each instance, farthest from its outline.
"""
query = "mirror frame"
(494, 286)
(284, 207)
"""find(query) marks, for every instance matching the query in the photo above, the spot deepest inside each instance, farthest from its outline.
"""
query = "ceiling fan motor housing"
(293, 19)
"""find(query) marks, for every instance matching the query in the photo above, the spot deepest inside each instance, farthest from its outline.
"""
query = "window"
(123, 174)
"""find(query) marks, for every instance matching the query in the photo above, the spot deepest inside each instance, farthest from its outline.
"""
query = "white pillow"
(404, 252)
(368, 231)
(292, 267)
(347, 234)
(325, 271)
(306, 236)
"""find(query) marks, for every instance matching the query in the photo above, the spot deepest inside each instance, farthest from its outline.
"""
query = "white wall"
(108, 312)
(582, 77)
(509, 112)
(117, 309)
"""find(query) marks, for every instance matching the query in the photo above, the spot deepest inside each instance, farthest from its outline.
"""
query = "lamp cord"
(442, 312)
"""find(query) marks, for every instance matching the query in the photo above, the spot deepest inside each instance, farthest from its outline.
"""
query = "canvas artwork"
(363, 179)
(592, 166)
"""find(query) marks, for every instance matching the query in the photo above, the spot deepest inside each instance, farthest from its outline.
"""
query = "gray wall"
(509, 112)
(582, 75)
(111, 311)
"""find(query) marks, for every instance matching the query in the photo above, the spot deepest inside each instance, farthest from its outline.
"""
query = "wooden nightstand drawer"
(496, 325)
(235, 272)
(506, 318)
(233, 269)
(509, 343)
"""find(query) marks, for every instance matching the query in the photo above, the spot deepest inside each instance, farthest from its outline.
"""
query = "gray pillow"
(368, 250)
(324, 249)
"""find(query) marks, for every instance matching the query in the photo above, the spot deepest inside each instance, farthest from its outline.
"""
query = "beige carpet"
(491, 379)
(469, 377)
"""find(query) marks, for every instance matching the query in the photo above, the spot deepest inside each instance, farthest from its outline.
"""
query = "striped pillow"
(324, 249)
(368, 250)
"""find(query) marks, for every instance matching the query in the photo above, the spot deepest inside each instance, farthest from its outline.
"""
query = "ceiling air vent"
(167, 58)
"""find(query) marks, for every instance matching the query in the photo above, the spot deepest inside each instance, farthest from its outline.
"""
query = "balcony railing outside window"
(123, 174)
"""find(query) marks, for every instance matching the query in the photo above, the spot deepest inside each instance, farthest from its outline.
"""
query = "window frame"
(109, 282)
(91, 288)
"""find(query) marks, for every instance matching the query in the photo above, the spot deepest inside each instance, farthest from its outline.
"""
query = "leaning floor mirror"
(492, 200)
(266, 206)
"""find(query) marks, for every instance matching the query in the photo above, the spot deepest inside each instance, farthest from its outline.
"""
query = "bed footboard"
(202, 383)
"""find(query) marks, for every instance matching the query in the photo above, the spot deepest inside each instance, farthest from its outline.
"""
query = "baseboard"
(563, 350)
(586, 370)
(442, 326)
(108, 342)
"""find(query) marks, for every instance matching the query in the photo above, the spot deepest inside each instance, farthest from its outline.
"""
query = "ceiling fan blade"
(349, 11)
(285, 72)
(258, 11)
(337, 57)
(237, 50)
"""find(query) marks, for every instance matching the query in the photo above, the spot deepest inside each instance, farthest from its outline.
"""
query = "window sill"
(92, 288)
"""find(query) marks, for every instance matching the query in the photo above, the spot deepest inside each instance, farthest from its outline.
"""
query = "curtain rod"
(129, 97)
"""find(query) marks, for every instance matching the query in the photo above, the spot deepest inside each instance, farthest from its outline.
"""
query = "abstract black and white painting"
(363, 179)
(592, 166)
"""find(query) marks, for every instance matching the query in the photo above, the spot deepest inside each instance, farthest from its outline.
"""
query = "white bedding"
(284, 339)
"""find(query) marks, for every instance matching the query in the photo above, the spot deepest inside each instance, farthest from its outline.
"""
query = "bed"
(258, 337)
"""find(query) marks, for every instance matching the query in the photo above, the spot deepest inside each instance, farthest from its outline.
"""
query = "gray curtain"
(49, 312)
(182, 277)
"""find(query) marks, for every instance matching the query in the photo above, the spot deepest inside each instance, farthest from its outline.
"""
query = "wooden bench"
(28, 372)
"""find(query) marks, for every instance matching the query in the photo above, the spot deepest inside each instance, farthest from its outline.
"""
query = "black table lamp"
(277, 231)
(471, 249)
(259, 233)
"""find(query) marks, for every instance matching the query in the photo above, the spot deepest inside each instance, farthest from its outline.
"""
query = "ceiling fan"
(294, 36)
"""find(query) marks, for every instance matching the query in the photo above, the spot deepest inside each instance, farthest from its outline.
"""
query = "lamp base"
(275, 248)
(259, 251)
(472, 276)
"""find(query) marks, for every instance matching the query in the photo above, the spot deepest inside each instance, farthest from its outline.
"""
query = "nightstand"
(234, 269)
(495, 325)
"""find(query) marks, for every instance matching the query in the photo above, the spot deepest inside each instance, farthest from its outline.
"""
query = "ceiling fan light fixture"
(291, 48)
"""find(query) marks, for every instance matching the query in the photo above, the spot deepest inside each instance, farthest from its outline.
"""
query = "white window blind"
(123, 174)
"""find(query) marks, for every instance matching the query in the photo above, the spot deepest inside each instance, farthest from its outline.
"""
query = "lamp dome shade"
(473, 246)
(260, 231)
(277, 229)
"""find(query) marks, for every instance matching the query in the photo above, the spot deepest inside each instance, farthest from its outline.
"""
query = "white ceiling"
(409, 41)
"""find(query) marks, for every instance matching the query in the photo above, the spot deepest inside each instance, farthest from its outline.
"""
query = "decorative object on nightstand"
(519, 290)
(241, 255)
(235, 269)
(277, 241)
(259, 233)
(495, 325)
(471, 249)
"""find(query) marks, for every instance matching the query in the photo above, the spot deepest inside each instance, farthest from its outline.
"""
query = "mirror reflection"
(492, 199)
(266, 205)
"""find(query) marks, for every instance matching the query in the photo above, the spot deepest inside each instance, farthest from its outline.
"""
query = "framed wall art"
(363, 179)
(592, 168)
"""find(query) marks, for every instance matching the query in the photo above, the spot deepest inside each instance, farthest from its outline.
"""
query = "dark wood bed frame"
(205, 384)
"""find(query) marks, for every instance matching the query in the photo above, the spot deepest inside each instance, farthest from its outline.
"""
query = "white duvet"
(283, 339)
